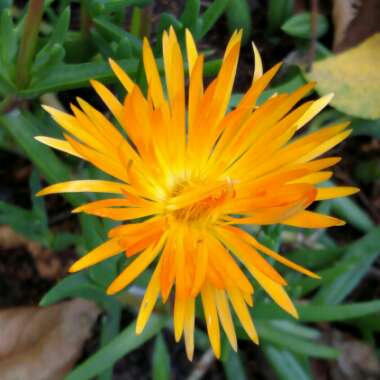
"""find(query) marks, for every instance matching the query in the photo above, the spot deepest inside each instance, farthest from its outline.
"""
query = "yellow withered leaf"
(354, 77)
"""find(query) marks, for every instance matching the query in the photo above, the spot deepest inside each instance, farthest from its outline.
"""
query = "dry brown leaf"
(48, 265)
(363, 25)
(358, 360)
(9, 238)
(344, 11)
(44, 343)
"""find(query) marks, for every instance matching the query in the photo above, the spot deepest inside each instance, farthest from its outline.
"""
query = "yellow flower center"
(197, 203)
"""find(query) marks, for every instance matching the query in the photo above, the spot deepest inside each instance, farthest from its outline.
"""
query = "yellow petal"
(225, 316)
(109, 100)
(195, 96)
(82, 186)
(74, 127)
(258, 73)
(276, 291)
(134, 269)
(100, 160)
(102, 123)
(123, 213)
(317, 107)
(325, 146)
(168, 269)
(123, 77)
(249, 256)
(251, 240)
(226, 264)
(152, 74)
(189, 328)
(200, 269)
(191, 49)
(113, 202)
(250, 97)
(149, 301)
(242, 312)
(179, 316)
(106, 250)
(61, 145)
(335, 192)
(315, 178)
(211, 317)
(310, 219)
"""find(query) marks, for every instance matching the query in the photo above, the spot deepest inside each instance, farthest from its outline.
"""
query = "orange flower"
(190, 175)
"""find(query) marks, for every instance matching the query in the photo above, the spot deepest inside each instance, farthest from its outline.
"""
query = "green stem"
(28, 41)
(141, 21)
(7, 104)
(136, 22)
(85, 21)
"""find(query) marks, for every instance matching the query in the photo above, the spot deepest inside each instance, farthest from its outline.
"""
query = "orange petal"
(96, 186)
(211, 316)
(310, 219)
(106, 250)
(335, 192)
(137, 266)
(149, 301)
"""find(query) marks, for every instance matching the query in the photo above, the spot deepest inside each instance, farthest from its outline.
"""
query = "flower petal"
(310, 219)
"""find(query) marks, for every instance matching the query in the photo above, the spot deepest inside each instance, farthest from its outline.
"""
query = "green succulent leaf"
(278, 12)
(160, 360)
(239, 17)
(211, 16)
(300, 26)
(190, 16)
(8, 50)
(294, 342)
(358, 259)
(287, 365)
(126, 342)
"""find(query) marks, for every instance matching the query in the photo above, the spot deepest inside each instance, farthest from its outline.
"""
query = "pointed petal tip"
(216, 353)
(41, 193)
(337, 222)
(139, 328)
(254, 338)
(49, 109)
(279, 64)
(294, 312)
(74, 268)
(177, 336)
(111, 290)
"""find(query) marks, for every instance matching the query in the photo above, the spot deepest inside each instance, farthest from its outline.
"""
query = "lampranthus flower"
(191, 174)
